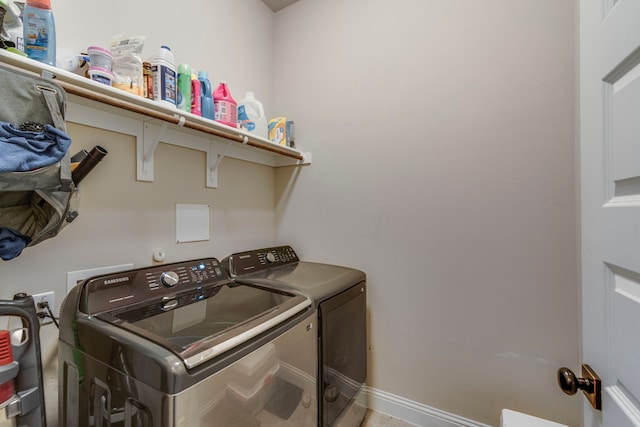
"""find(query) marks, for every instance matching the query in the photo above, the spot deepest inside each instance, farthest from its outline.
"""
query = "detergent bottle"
(165, 79)
(184, 87)
(39, 31)
(206, 97)
(196, 101)
(224, 106)
(251, 115)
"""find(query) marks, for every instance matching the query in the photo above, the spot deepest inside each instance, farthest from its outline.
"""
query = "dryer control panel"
(243, 263)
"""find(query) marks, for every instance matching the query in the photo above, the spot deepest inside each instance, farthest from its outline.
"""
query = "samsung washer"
(183, 345)
(339, 295)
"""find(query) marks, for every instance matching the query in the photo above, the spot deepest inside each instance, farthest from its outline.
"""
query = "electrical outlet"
(41, 301)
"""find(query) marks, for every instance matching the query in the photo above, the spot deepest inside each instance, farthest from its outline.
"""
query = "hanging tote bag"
(35, 170)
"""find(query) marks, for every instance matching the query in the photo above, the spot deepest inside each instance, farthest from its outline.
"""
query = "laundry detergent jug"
(251, 116)
(206, 97)
(224, 106)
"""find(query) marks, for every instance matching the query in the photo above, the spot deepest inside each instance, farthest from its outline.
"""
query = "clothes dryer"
(339, 296)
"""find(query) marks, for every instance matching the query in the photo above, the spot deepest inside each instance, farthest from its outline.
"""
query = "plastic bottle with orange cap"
(39, 31)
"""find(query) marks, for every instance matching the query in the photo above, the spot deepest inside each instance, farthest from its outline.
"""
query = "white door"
(610, 199)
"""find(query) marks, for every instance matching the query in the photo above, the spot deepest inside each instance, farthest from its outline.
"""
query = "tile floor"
(376, 419)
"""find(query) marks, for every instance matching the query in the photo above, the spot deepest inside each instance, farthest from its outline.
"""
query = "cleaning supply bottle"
(196, 102)
(206, 97)
(251, 115)
(184, 87)
(163, 68)
(224, 106)
(39, 31)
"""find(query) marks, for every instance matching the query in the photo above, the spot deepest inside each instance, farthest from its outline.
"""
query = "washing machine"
(183, 345)
(339, 297)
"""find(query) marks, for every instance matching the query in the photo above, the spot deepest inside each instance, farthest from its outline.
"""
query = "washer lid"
(280, 267)
(200, 324)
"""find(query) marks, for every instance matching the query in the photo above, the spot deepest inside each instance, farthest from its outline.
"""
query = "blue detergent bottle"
(39, 31)
(206, 95)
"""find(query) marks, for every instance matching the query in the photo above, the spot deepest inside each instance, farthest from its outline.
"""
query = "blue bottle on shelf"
(39, 31)
(206, 95)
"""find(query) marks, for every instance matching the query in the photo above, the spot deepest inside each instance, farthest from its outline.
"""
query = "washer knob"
(271, 257)
(169, 279)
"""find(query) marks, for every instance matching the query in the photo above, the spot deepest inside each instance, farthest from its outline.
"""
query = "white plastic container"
(509, 418)
(253, 399)
(252, 383)
(67, 60)
(100, 75)
(163, 66)
(251, 115)
(100, 57)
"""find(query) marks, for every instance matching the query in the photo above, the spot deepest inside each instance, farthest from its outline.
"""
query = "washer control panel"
(117, 290)
(243, 263)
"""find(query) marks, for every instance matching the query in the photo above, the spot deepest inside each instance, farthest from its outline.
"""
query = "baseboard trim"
(410, 411)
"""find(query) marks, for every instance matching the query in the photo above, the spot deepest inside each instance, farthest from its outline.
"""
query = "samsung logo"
(116, 280)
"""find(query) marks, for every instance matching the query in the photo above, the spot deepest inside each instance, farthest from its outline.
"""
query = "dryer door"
(343, 351)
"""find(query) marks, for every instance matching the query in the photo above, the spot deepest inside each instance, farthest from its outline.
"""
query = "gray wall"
(442, 135)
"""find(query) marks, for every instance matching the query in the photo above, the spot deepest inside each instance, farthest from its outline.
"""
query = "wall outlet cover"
(75, 277)
(41, 301)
